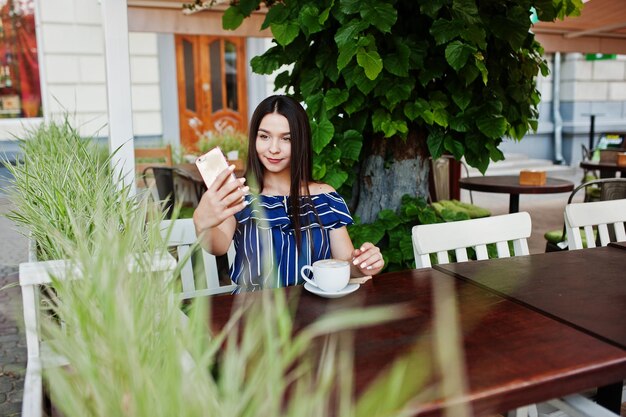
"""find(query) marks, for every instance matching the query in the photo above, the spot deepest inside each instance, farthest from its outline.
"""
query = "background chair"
(201, 272)
(172, 186)
(146, 157)
(607, 189)
(440, 238)
(595, 215)
(35, 283)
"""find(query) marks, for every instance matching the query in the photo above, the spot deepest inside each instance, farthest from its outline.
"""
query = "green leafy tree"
(388, 83)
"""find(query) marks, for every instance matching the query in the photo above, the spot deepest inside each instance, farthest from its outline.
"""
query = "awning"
(601, 28)
(166, 16)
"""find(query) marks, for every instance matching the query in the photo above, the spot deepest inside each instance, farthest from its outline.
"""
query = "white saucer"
(350, 288)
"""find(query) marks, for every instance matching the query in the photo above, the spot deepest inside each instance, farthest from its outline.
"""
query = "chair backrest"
(35, 278)
(161, 156)
(440, 238)
(599, 215)
(181, 235)
(151, 157)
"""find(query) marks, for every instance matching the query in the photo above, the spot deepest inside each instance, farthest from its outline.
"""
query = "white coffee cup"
(329, 275)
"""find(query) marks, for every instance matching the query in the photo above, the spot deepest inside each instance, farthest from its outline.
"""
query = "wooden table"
(513, 355)
(607, 169)
(619, 245)
(509, 184)
(584, 289)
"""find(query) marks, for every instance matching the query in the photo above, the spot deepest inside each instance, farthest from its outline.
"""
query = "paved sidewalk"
(13, 250)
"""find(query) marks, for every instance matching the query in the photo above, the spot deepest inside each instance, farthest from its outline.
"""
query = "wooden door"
(211, 75)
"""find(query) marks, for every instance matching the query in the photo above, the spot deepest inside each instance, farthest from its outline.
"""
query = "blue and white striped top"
(265, 242)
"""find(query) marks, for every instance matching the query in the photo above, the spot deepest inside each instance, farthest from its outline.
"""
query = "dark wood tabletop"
(509, 184)
(582, 288)
(513, 355)
(619, 245)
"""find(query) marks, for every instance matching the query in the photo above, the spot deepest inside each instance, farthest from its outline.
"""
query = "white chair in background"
(35, 282)
(598, 214)
(181, 235)
(440, 238)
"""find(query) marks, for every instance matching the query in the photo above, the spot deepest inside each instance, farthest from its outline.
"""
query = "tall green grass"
(60, 173)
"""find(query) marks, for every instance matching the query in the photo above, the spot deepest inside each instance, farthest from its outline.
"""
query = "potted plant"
(233, 143)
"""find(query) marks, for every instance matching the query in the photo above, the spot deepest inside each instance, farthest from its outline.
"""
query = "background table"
(509, 184)
(513, 355)
(607, 169)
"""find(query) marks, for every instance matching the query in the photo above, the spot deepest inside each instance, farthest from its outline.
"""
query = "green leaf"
(494, 153)
(435, 143)
(335, 97)
(492, 126)
(428, 117)
(275, 14)
(454, 147)
(440, 116)
(413, 110)
(459, 123)
(351, 145)
(335, 177)
(248, 6)
(283, 79)
(366, 233)
(483, 69)
(285, 33)
(379, 117)
(311, 81)
(348, 34)
(321, 133)
(462, 98)
(266, 63)
(388, 219)
(397, 62)
(370, 61)
(354, 75)
(326, 60)
(457, 54)
(391, 127)
(232, 18)
(432, 7)
(323, 17)
(381, 15)
(314, 103)
(309, 19)
(465, 10)
(445, 30)
(350, 6)
(345, 56)
(355, 102)
(319, 170)
(400, 90)
(475, 35)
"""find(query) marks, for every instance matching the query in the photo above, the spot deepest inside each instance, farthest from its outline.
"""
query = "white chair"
(181, 234)
(440, 238)
(35, 277)
(598, 214)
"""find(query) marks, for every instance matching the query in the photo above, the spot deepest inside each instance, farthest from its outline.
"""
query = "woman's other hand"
(368, 259)
(222, 200)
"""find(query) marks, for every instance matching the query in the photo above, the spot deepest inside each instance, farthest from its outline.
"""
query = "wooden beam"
(203, 23)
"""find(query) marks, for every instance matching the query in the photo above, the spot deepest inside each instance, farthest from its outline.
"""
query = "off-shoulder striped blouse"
(265, 244)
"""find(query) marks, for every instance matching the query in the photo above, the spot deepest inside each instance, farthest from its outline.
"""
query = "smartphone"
(211, 164)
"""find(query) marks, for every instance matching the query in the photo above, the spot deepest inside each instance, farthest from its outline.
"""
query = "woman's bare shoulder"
(320, 188)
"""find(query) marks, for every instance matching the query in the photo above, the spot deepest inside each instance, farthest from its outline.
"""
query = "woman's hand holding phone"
(222, 200)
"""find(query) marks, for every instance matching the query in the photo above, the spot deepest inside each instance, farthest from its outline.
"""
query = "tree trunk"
(392, 169)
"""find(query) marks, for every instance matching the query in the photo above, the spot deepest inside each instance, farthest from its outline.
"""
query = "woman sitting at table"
(290, 220)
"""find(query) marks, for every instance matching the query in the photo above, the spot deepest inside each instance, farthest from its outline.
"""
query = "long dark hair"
(301, 154)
